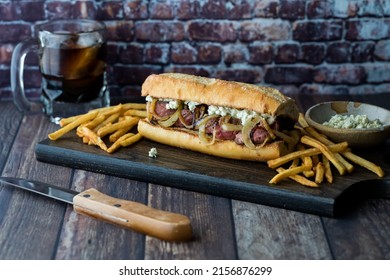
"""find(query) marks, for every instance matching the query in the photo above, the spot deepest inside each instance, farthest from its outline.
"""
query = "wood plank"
(211, 221)
(264, 232)
(9, 125)
(10, 120)
(86, 238)
(29, 223)
(175, 167)
(363, 233)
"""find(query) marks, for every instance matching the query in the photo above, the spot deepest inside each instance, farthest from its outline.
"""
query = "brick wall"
(312, 46)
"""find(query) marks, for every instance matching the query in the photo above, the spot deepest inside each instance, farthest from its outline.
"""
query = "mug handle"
(17, 68)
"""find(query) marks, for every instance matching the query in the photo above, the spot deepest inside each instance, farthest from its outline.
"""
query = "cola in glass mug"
(72, 61)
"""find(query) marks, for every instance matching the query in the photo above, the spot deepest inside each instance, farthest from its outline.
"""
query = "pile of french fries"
(310, 164)
(315, 154)
(113, 124)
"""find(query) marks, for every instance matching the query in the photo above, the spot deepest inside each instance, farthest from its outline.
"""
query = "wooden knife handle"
(133, 215)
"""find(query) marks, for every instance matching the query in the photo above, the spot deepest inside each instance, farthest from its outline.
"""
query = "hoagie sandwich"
(221, 118)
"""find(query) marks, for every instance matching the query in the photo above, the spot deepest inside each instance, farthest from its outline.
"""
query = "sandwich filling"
(212, 123)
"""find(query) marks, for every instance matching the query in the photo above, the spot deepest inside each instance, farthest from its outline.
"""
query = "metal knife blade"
(41, 188)
(129, 214)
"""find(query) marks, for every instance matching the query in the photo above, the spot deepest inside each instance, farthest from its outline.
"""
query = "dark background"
(301, 47)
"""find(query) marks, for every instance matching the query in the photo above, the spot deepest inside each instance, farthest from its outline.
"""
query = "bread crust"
(217, 92)
(186, 139)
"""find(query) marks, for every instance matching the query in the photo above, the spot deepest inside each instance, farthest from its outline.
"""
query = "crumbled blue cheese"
(352, 121)
(148, 98)
(191, 105)
(171, 103)
(153, 153)
(174, 104)
(243, 115)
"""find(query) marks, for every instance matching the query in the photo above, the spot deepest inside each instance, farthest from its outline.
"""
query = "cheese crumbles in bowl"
(361, 125)
(353, 121)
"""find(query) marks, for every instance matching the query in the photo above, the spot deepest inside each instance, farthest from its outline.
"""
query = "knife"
(128, 214)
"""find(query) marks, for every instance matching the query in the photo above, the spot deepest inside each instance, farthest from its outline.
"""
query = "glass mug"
(72, 62)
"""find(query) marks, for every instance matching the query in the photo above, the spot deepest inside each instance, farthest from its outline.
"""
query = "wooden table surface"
(35, 227)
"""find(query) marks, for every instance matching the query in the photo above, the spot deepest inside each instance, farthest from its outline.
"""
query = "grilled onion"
(267, 127)
(226, 126)
(161, 118)
(199, 112)
(265, 142)
(171, 120)
(247, 129)
(151, 107)
(202, 131)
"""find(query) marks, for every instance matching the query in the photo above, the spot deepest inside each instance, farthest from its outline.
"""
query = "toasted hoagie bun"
(217, 92)
(216, 117)
(184, 139)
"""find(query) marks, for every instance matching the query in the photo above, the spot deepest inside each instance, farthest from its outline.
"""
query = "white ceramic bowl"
(361, 138)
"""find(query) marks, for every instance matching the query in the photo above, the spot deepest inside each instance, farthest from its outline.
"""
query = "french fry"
(120, 108)
(66, 121)
(92, 136)
(118, 134)
(110, 128)
(118, 143)
(364, 163)
(320, 172)
(291, 140)
(348, 154)
(326, 151)
(301, 130)
(308, 152)
(302, 120)
(100, 122)
(307, 161)
(95, 122)
(109, 110)
(323, 139)
(328, 171)
(267, 127)
(111, 119)
(72, 125)
(131, 140)
(115, 109)
(299, 179)
(315, 134)
(295, 162)
(319, 144)
(137, 106)
(136, 113)
(287, 173)
(315, 159)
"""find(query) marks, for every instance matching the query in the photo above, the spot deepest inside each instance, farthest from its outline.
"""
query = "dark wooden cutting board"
(247, 181)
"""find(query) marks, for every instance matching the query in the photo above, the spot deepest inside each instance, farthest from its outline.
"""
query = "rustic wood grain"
(363, 233)
(9, 124)
(30, 224)
(10, 120)
(211, 222)
(264, 232)
(86, 238)
(179, 168)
